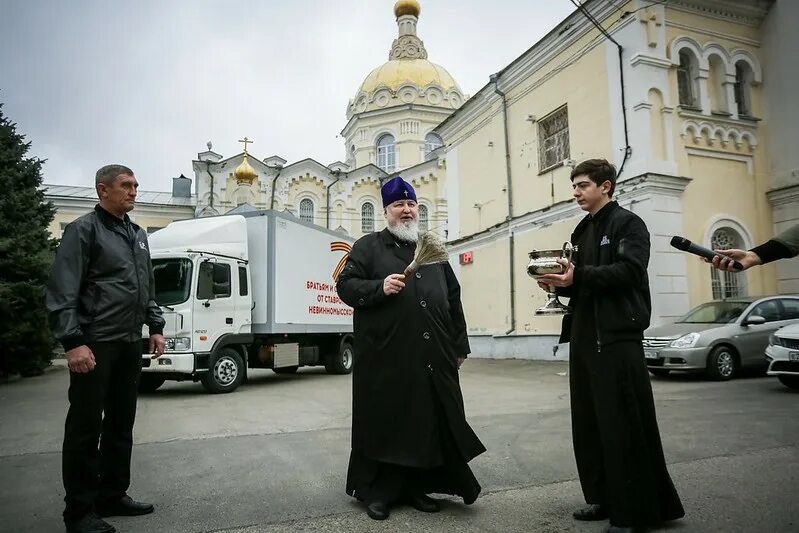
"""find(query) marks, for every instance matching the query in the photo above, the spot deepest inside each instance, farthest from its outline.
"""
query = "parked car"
(719, 337)
(783, 355)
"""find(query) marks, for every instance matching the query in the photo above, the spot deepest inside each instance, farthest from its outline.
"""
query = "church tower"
(393, 113)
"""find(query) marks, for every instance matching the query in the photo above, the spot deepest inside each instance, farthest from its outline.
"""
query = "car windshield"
(715, 313)
(172, 280)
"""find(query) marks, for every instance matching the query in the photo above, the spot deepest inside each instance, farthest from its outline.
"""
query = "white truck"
(254, 290)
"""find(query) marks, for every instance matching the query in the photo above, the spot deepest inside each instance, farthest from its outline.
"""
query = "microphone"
(681, 243)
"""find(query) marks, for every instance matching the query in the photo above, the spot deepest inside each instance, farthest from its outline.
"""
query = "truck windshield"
(172, 280)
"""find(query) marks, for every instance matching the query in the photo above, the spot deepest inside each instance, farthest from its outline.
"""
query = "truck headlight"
(179, 344)
(686, 341)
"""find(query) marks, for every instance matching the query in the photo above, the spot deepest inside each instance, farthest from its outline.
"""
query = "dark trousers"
(616, 438)
(98, 435)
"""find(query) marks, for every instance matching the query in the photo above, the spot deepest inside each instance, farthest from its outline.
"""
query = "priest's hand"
(393, 284)
(460, 361)
(560, 280)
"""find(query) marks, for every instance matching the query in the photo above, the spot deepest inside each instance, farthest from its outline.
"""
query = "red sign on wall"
(466, 258)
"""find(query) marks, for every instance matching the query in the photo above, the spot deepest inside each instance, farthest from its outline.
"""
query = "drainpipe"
(274, 180)
(337, 174)
(494, 78)
(211, 196)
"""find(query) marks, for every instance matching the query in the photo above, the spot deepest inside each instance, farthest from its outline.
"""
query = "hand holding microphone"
(720, 260)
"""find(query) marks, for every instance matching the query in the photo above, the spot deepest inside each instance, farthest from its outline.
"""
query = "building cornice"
(434, 113)
(788, 195)
(747, 13)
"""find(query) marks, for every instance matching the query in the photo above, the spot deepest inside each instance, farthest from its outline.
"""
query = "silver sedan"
(719, 337)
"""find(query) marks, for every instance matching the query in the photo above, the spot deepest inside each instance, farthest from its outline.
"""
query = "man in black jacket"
(410, 436)
(99, 295)
(614, 427)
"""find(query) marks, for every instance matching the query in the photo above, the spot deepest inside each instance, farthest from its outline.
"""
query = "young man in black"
(614, 427)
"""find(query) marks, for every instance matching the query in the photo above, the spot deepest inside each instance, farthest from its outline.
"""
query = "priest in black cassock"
(614, 426)
(410, 437)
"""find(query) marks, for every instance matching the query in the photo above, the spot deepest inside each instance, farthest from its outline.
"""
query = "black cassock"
(409, 429)
(617, 443)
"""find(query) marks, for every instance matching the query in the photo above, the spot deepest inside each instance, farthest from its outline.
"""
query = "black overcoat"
(406, 349)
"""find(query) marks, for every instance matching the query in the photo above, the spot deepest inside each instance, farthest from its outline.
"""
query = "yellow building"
(691, 140)
(388, 130)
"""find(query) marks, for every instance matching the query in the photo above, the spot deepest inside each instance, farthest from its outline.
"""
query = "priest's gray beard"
(405, 231)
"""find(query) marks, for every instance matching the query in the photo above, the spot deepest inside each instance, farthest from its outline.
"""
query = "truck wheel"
(792, 382)
(149, 382)
(721, 363)
(285, 370)
(341, 363)
(226, 372)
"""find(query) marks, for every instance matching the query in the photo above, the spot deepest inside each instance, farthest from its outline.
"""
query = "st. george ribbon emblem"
(340, 246)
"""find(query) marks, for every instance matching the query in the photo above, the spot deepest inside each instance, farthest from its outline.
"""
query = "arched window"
(687, 84)
(367, 217)
(431, 142)
(306, 210)
(351, 158)
(727, 284)
(717, 85)
(424, 218)
(386, 153)
(743, 88)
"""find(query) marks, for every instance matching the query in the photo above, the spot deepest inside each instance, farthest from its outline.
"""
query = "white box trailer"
(252, 290)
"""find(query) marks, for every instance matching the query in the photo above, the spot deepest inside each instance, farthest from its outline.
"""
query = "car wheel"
(792, 382)
(659, 372)
(150, 383)
(226, 372)
(722, 363)
(286, 370)
(341, 363)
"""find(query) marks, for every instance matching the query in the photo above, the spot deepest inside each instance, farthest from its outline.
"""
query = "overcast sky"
(148, 83)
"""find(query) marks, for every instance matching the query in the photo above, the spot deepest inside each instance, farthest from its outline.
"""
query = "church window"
(432, 142)
(424, 218)
(367, 217)
(553, 139)
(306, 210)
(727, 284)
(386, 153)
(743, 88)
(687, 79)
(351, 159)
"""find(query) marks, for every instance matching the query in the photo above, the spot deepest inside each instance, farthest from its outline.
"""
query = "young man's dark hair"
(599, 171)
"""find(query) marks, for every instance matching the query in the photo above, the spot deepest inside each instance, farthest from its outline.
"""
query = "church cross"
(406, 193)
(246, 141)
(650, 18)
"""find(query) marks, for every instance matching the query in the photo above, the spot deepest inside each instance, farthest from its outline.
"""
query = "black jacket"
(101, 288)
(406, 349)
(618, 282)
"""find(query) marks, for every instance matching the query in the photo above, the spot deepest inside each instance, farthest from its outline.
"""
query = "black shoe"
(90, 523)
(377, 511)
(125, 506)
(424, 503)
(618, 529)
(590, 513)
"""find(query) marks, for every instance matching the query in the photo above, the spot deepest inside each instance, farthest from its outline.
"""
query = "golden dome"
(419, 72)
(244, 173)
(407, 7)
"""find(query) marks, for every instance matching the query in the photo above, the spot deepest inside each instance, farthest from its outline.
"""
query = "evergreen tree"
(26, 252)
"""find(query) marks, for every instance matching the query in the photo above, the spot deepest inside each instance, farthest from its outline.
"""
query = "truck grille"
(656, 342)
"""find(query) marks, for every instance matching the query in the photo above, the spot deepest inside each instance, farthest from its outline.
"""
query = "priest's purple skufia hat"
(397, 189)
